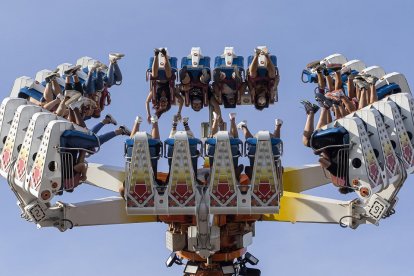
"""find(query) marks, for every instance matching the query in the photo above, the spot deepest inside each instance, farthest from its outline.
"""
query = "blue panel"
(33, 93)
(220, 62)
(389, 89)
(204, 62)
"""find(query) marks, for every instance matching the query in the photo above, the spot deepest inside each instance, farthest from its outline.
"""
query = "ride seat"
(235, 145)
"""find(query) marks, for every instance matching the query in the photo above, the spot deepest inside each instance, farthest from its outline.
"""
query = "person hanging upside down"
(228, 90)
(163, 88)
(262, 87)
(275, 140)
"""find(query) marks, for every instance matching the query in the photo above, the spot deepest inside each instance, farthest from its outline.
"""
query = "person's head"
(163, 98)
(229, 101)
(196, 104)
(262, 100)
(196, 98)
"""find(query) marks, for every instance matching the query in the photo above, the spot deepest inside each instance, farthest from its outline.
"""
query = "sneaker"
(138, 119)
(360, 83)
(73, 96)
(72, 70)
(74, 105)
(310, 107)
(185, 120)
(119, 55)
(154, 119)
(163, 51)
(370, 79)
(60, 96)
(278, 122)
(334, 66)
(51, 76)
(183, 73)
(313, 64)
(111, 119)
(232, 115)
(242, 124)
(125, 130)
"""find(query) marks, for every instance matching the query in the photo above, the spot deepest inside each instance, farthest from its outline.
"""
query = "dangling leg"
(271, 69)
(254, 65)
(323, 118)
(233, 127)
(246, 132)
(167, 66)
(173, 127)
(155, 65)
(48, 92)
(330, 83)
(351, 87)
(363, 100)
(187, 127)
(338, 80)
(321, 82)
(373, 96)
(135, 128)
(278, 127)
(350, 107)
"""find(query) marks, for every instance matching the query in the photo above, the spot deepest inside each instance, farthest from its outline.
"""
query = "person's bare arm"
(147, 106)
(180, 101)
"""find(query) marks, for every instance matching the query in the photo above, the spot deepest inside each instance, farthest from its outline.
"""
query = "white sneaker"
(138, 119)
(112, 120)
(278, 122)
(114, 57)
(77, 104)
(60, 97)
(232, 115)
(120, 55)
(154, 119)
(242, 124)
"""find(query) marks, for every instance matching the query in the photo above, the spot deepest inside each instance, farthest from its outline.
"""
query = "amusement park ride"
(210, 220)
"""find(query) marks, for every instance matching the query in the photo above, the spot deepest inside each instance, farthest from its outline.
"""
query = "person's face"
(231, 101)
(163, 102)
(196, 105)
(261, 101)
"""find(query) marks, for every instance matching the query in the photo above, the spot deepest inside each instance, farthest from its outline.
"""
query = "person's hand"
(149, 119)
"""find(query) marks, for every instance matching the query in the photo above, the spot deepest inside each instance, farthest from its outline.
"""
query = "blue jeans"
(113, 75)
(77, 139)
(94, 82)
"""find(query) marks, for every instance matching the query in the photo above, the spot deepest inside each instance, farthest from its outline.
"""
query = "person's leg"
(137, 124)
(81, 168)
(48, 92)
(71, 116)
(52, 104)
(246, 132)
(323, 118)
(78, 118)
(187, 127)
(271, 69)
(62, 107)
(351, 87)
(233, 127)
(76, 84)
(155, 65)
(254, 65)
(215, 106)
(96, 128)
(99, 81)
(278, 127)
(167, 66)
(342, 110)
(309, 128)
(338, 80)
(373, 96)
(321, 82)
(215, 125)
(363, 99)
(330, 83)
(173, 127)
(349, 105)
(155, 132)
(117, 73)
(89, 84)
(328, 116)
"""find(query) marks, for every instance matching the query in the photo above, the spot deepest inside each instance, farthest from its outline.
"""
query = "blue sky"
(42, 34)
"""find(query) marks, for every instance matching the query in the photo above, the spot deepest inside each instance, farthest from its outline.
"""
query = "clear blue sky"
(41, 34)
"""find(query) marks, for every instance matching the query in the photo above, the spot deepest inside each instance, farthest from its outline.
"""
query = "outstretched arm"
(147, 106)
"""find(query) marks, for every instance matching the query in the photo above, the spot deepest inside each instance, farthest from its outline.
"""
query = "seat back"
(25, 87)
(30, 146)
(334, 58)
(266, 182)
(223, 183)
(381, 143)
(358, 159)
(50, 166)
(140, 185)
(393, 78)
(405, 103)
(195, 59)
(376, 71)
(354, 65)
(15, 136)
(228, 59)
(7, 109)
(41, 75)
(181, 185)
(397, 132)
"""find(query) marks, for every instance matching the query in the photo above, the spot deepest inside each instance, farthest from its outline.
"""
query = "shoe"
(334, 66)
(51, 76)
(335, 95)
(119, 55)
(154, 119)
(232, 115)
(163, 51)
(370, 79)
(72, 70)
(278, 122)
(185, 120)
(360, 82)
(74, 105)
(183, 73)
(156, 51)
(111, 119)
(310, 107)
(73, 96)
(242, 124)
(94, 66)
(125, 130)
(60, 96)
(313, 64)
(138, 119)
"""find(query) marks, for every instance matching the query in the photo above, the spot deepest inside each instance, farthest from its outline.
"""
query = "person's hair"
(226, 103)
(261, 107)
(166, 89)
